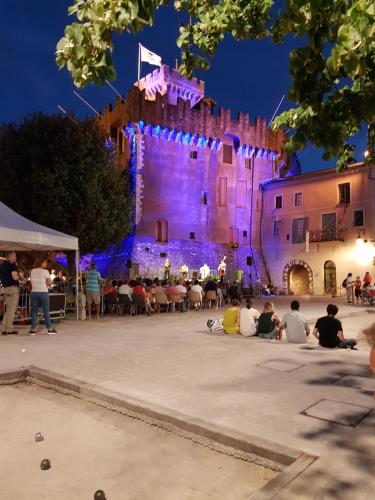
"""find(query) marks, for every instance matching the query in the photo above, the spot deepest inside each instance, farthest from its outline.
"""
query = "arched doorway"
(330, 285)
(298, 278)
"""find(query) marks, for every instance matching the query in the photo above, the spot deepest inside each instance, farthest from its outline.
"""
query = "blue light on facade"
(191, 139)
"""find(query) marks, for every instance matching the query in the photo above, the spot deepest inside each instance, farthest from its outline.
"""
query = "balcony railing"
(319, 235)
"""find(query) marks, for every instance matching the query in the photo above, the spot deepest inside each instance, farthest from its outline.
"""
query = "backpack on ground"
(343, 284)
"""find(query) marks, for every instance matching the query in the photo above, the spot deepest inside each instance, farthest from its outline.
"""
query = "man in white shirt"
(296, 327)
(248, 316)
(125, 289)
(197, 288)
(349, 288)
(182, 290)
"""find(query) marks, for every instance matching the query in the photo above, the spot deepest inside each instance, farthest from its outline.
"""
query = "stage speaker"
(163, 255)
(249, 260)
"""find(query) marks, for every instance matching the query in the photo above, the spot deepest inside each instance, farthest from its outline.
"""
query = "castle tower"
(168, 81)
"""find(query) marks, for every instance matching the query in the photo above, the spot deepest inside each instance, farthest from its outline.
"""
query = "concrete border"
(289, 461)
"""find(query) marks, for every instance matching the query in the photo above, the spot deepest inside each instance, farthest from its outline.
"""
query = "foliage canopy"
(57, 172)
(333, 72)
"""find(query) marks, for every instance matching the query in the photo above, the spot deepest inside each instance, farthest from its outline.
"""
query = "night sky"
(245, 76)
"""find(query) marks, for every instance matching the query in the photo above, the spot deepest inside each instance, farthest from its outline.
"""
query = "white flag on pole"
(149, 57)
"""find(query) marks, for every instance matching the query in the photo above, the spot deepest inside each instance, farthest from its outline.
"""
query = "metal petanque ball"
(39, 437)
(45, 464)
(99, 495)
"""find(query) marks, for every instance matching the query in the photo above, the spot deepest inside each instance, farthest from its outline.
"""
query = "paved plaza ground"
(315, 400)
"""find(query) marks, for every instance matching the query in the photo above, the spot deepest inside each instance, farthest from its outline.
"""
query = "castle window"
(222, 191)
(193, 155)
(344, 193)
(227, 153)
(279, 201)
(248, 163)
(203, 197)
(276, 227)
(161, 231)
(233, 235)
(241, 194)
(358, 218)
(192, 236)
(244, 234)
(299, 228)
(298, 200)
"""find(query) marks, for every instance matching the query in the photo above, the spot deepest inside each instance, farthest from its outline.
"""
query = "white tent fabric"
(19, 233)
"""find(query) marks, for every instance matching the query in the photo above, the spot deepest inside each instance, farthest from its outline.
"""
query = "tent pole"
(77, 283)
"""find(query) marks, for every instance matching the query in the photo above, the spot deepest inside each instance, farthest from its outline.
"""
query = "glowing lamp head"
(359, 241)
(367, 153)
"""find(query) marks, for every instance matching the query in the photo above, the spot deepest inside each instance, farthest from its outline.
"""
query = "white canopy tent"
(20, 234)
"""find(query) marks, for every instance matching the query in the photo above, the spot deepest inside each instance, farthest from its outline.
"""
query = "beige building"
(317, 227)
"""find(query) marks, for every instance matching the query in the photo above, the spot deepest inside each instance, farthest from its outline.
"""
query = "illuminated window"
(276, 227)
(358, 218)
(241, 194)
(344, 193)
(222, 191)
(227, 153)
(162, 231)
(279, 202)
(298, 200)
(193, 155)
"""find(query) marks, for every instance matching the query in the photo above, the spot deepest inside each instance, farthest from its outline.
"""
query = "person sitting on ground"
(295, 324)
(231, 321)
(248, 316)
(197, 288)
(329, 332)
(358, 289)
(268, 323)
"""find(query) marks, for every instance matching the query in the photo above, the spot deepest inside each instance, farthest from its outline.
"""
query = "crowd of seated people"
(146, 296)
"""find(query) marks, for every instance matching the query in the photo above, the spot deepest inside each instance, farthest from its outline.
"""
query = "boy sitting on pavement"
(329, 332)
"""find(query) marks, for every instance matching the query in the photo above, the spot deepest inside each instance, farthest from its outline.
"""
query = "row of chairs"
(136, 305)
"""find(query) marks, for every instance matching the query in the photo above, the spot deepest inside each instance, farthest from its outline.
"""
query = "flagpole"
(139, 61)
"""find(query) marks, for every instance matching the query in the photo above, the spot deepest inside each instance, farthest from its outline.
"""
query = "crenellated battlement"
(201, 118)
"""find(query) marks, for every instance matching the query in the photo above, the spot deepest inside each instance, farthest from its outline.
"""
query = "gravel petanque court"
(93, 448)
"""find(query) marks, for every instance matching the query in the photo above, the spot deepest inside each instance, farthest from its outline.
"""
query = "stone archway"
(297, 278)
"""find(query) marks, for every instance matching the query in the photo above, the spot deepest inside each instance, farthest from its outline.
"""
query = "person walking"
(329, 332)
(296, 327)
(93, 278)
(9, 278)
(248, 316)
(39, 296)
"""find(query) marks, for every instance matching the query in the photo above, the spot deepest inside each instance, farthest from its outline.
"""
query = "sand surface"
(92, 448)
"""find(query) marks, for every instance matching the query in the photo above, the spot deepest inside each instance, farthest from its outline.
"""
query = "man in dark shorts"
(328, 330)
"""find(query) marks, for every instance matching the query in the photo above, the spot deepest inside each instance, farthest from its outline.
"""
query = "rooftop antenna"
(276, 110)
(67, 114)
(87, 104)
(114, 89)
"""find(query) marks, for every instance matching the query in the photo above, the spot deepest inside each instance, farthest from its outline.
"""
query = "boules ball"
(45, 464)
(39, 437)
(99, 495)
